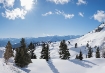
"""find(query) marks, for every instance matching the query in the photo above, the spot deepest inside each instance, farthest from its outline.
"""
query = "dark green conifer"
(22, 57)
(45, 53)
(75, 45)
(31, 48)
(80, 55)
(90, 52)
(64, 51)
(87, 45)
(77, 57)
(97, 53)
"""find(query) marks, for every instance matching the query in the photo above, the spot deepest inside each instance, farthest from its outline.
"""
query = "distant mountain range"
(14, 41)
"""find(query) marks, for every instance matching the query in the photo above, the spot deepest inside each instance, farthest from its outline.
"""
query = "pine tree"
(87, 45)
(86, 55)
(22, 57)
(45, 54)
(97, 53)
(89, 52)
(75, 45)
(31, 48)
(43, 51)
(80, 55)
(77, 57)
(64, 51)
(8, 52)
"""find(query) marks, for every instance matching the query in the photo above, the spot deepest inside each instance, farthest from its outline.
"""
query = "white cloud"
(12, 13)
(59, 1)
(99, 16)
(81, 2)
(81, 14)
(48, 13)
(7, 3)
(58, 12)
(16, 13)
(67, 16)
(27, 4)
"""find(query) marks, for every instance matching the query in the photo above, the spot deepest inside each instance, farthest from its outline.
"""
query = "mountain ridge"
(3, 41)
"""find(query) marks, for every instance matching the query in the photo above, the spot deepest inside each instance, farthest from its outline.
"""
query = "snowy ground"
(56, 65)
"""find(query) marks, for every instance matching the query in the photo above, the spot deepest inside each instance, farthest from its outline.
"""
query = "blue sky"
(36, 18)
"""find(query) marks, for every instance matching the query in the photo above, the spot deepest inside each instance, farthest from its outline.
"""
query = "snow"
(93, 38)
(56, 65)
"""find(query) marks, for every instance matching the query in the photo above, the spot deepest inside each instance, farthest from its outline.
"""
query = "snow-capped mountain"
(14, 41)
(94, 38)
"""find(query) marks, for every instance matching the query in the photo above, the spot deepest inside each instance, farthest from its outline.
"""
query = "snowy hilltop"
(94, 38)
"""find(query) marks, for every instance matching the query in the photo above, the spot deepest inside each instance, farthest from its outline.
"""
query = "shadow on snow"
(52, 67)
(23, 69)
(83, 63)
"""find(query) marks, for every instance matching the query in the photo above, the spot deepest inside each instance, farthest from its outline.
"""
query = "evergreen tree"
(77, 57)
(97, 53)
(86, 55)
(89, 52)
(45, 54)
(80, 55)
(32, 49)
(87, 45)
(68, 42)
(8, 52)
(75, 45)
(22, 57)
(43, 51)
(64, 51)
(31, 46)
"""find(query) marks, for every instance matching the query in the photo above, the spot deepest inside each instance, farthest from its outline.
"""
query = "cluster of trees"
(90, 52)
(22, 57)
(24, 54)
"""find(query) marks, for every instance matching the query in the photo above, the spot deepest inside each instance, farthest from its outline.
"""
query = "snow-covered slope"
(94, 38)
(55, 64)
